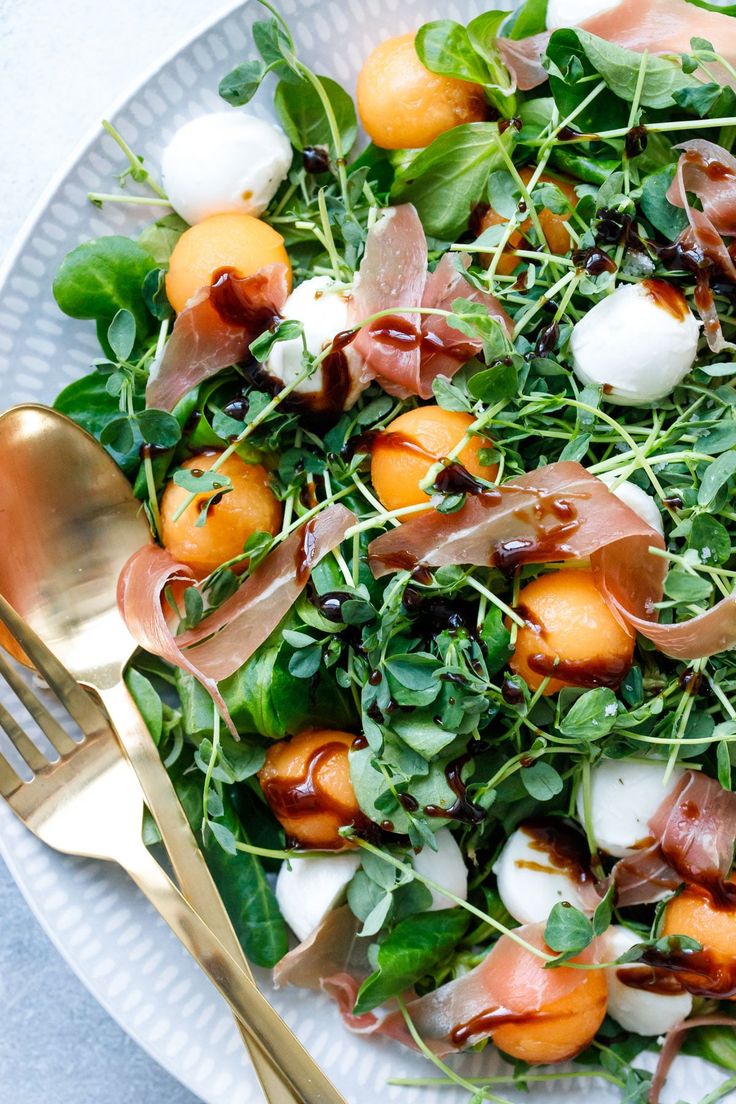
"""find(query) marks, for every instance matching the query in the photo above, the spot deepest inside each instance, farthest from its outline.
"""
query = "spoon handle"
(262, 1023)
(186, 858)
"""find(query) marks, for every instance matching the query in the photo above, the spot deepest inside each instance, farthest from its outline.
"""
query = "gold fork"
(89, 802)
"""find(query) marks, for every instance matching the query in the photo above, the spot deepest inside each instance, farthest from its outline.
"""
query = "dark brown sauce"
(375, 678)
(330, 605)
(702, 973)
(563, 843)
(514, 121)
(150, 452)
(461, 809)
(402, 334)
(374, 439)
(636, 141)
(651, 980)
(305, 796)
(237, 408)
(234, 310)
(691, 681)
(305, 554)
(315, 160)
(705, 303)
(589, 673)
(359, 743)
(336, 384)
(714, 170)
(485, 1023)
(572, 134)
(510, 554)
(511, 692)
(455, 479)
(436, 615)
(673, 502)
(406, 561)
(547, 339)
(594, 261)
(668, 298)
(408, 802)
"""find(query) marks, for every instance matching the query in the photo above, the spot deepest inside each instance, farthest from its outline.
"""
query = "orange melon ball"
(249, 507)
(404, 106)
(306, 782)
(570, 629)
(561, 1028)
(694, 913)
(239, 243)
(403, 453)
(553, 225)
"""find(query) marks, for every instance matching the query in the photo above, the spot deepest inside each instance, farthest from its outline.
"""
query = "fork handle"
(186, 858)
(261, 1022)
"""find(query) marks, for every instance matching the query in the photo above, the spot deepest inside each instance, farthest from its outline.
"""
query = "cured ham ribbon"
(694, 830)
(709, 172)
(215, 330)
(658, 26)
(509, 985)
(406, 352)
(560, 512)
(226, 639)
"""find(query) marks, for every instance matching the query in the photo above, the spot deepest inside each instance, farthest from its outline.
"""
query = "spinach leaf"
(715, 1044)
(149, 703)
(444, 47)
(302, 114)
(161, 236)
(444, 180)
(413, 949)
(662, 214)
(101, 277)
(530, 19)
(88, 403)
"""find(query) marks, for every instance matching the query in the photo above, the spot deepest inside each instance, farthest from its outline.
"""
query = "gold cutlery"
(74, 522)
(86, 800)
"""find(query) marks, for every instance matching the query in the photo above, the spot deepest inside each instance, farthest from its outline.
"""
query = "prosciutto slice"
(658, 26)
(709, 172)
(509, 984)
(694, 830)
(224, 641)
(560, 512)
(215, 330)
(405, 352)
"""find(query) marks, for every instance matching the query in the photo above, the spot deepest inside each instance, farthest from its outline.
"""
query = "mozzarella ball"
(625, 795)
(532, 878)
(637, 500)
(644, 1011)
(571, 13)
(637, 344)
(324, 310)
(311, 887)
(226, 161)
(446, 866)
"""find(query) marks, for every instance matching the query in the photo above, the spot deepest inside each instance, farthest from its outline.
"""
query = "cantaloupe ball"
(409, 446)
(693, 913)
(561, 1028)
(238, 243)
(553, 225)
(568, 619)
(249, 507)
(404, 106)
(306, 782)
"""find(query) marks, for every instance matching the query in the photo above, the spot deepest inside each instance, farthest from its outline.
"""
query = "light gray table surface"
(63, 63)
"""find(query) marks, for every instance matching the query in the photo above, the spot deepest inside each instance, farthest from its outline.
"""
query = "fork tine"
(23, 745)
(10, 780)
(71, 695)
(50, 727)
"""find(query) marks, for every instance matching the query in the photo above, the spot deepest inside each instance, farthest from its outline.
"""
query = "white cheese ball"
(312, 887)
(571, 13)
(624, 796)
(530, 883)
(323, 310)
(446, 866)
(226, 161)
(637, 344)
(638, 1010)
(637, 500)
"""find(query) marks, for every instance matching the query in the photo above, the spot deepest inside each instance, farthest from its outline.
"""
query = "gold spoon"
(70, 522)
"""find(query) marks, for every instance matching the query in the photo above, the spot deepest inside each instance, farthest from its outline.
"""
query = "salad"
(436, 436)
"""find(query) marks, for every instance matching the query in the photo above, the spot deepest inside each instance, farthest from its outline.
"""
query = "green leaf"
(416, 670)
(306, 662)
(662, 214)
(716, 476)
(241, 83)
(444, 180)
(723, 759)
(377, 917)
(568, 930)
(682, 587)
(593, 715)
(715, 1044)
(497, 640)
(101, 277)
(604, 911)
(495, 384)
(121, 334)
(444, 47)
(414, 948)
(302, 114)
(721, 437)
(159, 428)
(530, 19)
(541, 781)
(288, 329)
(422, 733)
(118, 435)
(207, 482)
(711, 539)
(160, 238)
(88, 402)
(149, 703)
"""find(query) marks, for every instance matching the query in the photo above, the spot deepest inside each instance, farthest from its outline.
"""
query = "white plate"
(105, 930)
